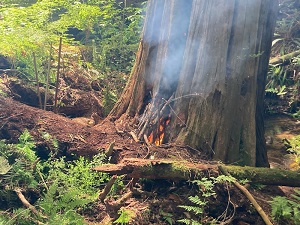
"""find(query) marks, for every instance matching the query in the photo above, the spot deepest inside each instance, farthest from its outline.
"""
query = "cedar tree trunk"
(199, 77)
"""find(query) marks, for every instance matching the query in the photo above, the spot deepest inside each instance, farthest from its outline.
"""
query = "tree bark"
(213, 57)
(183, 170)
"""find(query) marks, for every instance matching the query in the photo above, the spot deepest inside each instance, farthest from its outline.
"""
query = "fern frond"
(197, 200)
(189, 222)
(4, 166)
(194, 209)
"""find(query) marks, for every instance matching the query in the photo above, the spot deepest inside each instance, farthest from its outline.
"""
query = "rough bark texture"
(183, 170)
(213, 55)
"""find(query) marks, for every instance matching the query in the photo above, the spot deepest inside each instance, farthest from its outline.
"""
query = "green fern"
(284, 208)
(26, 146)
(189, 222)
(64, 187)
(197, 210)
(4, 166)
(125, 216)
(206, 188)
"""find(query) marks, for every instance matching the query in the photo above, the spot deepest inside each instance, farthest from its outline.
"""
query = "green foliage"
(75, 174)
(63, 188)
(293, 146)
(283, 80)
(109, 100)
(277, 80)
(206, 187)
(60, 205)
(284, 208)
(4, 165)
(125, 216)
(168, 217)
(117, 186)
(286, 37)
(20, 157)
(52, 142)
(34, 26)
(26, 146)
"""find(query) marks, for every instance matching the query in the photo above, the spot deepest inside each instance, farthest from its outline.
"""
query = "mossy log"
(183, 170)
(284, 59)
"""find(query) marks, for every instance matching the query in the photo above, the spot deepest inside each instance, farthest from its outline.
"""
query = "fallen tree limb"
(183, 170)
(284, 59)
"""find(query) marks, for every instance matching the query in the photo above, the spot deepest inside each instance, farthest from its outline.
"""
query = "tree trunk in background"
(209, 59)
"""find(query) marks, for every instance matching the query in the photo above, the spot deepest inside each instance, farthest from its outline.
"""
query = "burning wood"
(154, 121)
(157, 136)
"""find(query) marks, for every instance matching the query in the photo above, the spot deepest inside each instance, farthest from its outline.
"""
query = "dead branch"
(107, 188)
(107, 220)
(141, 133)
(37, 81)
(144, 116)
(27, 204)
(167, 103)
(118, 204)
(133, 135)
(249, 196)
(57, 77)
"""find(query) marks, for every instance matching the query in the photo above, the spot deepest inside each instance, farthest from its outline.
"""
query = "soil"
(151, 201)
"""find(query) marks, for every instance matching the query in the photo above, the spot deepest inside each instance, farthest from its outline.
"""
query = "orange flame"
(150, 137)
(158, 140)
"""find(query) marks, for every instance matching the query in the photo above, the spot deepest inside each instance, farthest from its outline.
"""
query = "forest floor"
(151, 201)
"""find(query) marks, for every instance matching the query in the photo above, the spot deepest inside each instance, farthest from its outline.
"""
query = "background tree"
(199, 77)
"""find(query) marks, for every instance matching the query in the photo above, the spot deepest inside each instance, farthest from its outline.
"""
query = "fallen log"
(284, 59)
(183, 170)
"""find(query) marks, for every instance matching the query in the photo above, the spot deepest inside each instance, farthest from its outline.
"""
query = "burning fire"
(157, 136)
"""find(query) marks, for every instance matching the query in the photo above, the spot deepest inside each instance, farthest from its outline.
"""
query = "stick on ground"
(27, 204)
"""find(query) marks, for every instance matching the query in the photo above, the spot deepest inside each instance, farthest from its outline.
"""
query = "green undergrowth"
(286, 209)
(293, 147)
(58, 189)
(195, 213)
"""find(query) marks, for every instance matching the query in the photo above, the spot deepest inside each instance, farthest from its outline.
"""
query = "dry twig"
(27, 204)
(133, 135)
